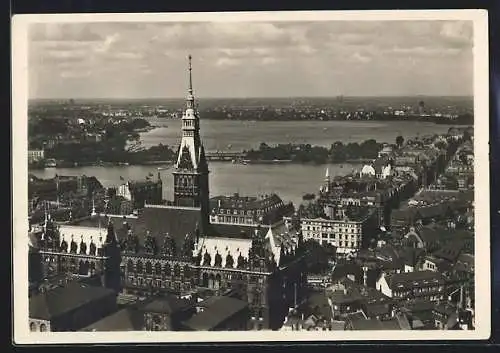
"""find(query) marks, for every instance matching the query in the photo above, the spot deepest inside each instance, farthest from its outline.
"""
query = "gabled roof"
(451, 251)
(216, 314)
(413, 279)
(166, 305)
(232, 231)
(128, 319)
(58, 301)
(177, 222)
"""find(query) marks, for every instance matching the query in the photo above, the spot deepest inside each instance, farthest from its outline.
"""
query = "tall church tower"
(191, 168)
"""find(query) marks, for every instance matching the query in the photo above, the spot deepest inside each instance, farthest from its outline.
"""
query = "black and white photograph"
(269, 175)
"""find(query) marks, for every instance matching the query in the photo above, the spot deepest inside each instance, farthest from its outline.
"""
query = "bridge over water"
(224, 155)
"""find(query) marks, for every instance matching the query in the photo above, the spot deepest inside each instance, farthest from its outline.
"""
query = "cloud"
(269, 61)
(126, 55)
(457, 34)
(71, 74)
(63, 32)
(107, 43)
(321, 56)
(223, 62)
(426, 52)
(361, 58)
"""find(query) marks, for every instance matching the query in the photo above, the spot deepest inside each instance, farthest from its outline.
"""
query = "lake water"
(240, 135)
(290, 181)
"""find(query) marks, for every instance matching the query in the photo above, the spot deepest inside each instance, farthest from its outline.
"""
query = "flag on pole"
(122, 178)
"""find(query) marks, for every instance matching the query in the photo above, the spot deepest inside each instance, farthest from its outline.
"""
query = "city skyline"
(275, 59)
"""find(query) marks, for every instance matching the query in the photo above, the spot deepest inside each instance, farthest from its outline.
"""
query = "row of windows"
(229, 219)
(333, 237)
(158, 269)
(346, 228)
(420, 290)
(34, 327)
(157, 283)
(237, 212)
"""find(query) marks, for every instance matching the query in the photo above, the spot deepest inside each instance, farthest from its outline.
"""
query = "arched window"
(73, 265)
(139, 267)
(177, 270)
(260, 313)
(130, 266)
(187, 271)
(158, 269)
(149, 268)
(156, 323)
(83, 268)
(204, 280)
(167, 270)
(32, 326)
(64, 264)
(217, 283)
(43, 328)
(92, 268)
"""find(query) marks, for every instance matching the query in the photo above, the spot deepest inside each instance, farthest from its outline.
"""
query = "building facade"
(139, 193)
(191, 167)
(249, 211)
(80, 251)
(35, 156)
(346, 234)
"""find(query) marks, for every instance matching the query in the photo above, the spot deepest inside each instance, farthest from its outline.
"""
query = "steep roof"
(166, 305)
(245, 202)
(128, 319)
(58, 301)
(163, 220)
(231, 231)
(413, 279)
(217, 313)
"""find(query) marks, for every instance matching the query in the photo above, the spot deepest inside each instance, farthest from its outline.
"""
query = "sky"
(250, 59)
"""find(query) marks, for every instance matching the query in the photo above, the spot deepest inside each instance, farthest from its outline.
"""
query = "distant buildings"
(35, 156)
(249, 211)
(428, 285)
(143, 192)
(348, 233)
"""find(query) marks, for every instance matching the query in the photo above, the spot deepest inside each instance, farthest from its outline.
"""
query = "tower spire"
(190, 76)
(190, 97)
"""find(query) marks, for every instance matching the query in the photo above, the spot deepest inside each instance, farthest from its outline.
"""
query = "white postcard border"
(22, 335)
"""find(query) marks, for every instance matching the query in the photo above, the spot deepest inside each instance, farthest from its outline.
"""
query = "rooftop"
(61, 300)
(166, 305)
(128, 319)
(412, 279)
(214, 315)
(245, 202)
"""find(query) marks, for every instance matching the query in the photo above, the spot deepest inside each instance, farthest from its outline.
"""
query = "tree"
(399, 141)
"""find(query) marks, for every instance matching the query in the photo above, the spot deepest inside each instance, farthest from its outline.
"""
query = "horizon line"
(257, 97)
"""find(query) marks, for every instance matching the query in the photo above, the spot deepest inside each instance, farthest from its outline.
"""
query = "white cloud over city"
(85, 60)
